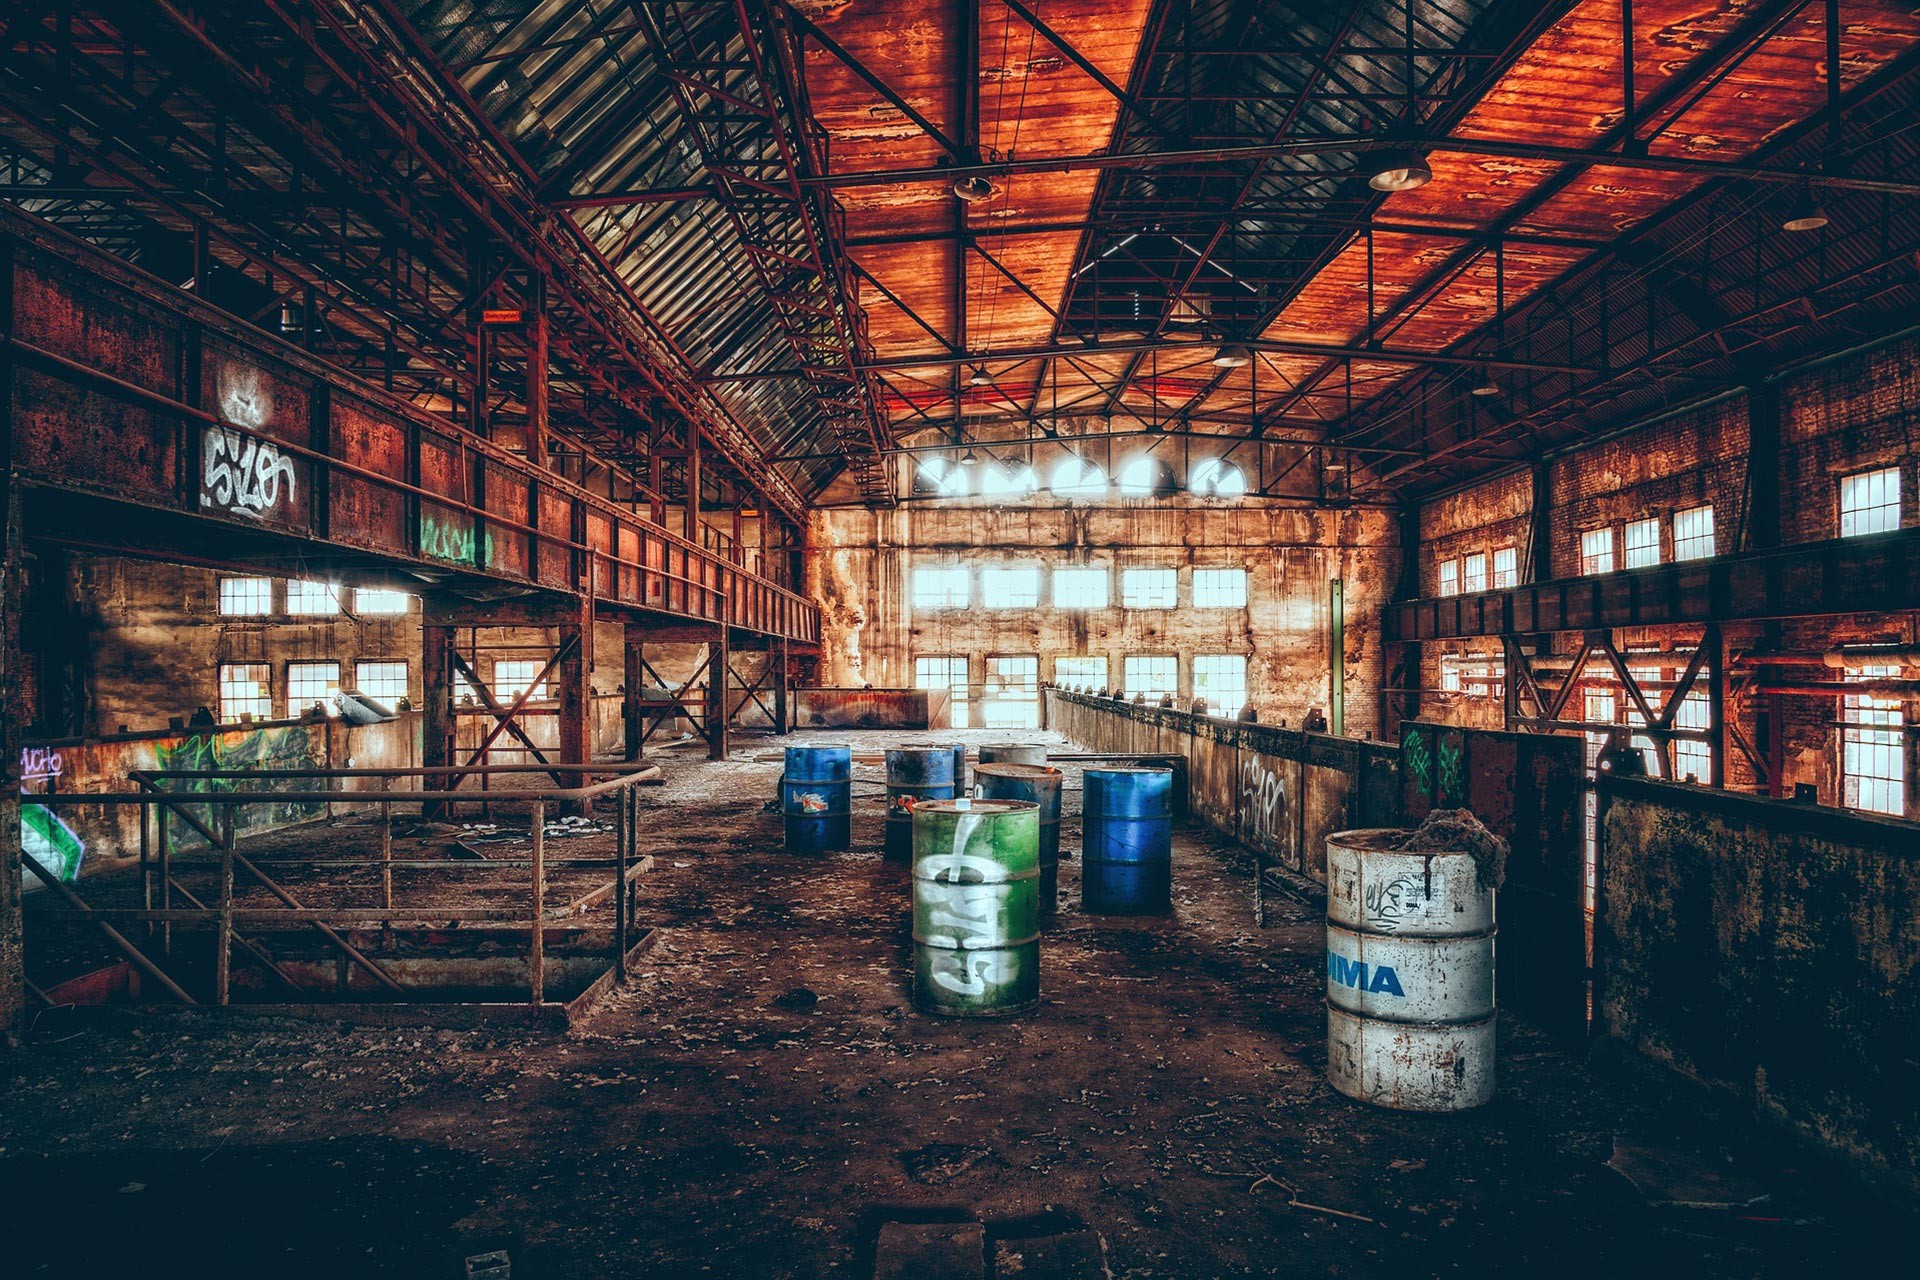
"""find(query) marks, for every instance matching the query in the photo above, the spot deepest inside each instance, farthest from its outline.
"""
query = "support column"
(719, 680)
(777, 654)
(537, 391)
(693, 488)
(436, 688)
(633, 677)
(574, 680)
(1539, 565)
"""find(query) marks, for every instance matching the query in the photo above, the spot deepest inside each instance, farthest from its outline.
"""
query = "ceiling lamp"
(1807, 215)
(1231, 356)
(1484, 386)
(968, 458)
(975, 189)
(1397, 169)
(978, 378)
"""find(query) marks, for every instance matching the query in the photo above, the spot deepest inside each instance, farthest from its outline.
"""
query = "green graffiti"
(50, 842)
(1453, 773)
(445, 539)
(1418, 761)
(285, 748)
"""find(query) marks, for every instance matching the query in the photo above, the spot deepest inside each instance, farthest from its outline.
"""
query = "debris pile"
(1458, 831)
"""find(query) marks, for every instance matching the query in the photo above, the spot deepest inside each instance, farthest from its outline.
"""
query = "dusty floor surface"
(762, 1096)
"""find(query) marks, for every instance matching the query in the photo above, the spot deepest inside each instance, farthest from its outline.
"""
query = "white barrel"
(1443, 1067)
(1410, 979)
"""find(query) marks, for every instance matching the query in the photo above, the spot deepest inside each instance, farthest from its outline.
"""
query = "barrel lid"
(998, 770)
(1128, 768)
(975, 806)
(1371, 839)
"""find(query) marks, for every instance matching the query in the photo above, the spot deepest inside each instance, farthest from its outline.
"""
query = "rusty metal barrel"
(1126, 845)
(1012, 753)
(1410, 989)
(816, 798)
(1035, 784)
(914, 775)
(976, 910)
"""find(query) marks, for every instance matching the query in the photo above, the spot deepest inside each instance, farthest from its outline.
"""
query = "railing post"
(623, 831)
(223, 941)
(386, 863)
(536, 940)
(164, 836)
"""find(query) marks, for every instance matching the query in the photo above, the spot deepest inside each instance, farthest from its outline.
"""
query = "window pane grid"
(312, 598)
(1870, 502)
(1693, 533)
(246, 597)
(1506, 568)
(1872, 742)
(940, 587)
(1148, 588)
(386, 682)
(512, 677)
(1154, 675)
(1009, 586)
(1643, 543)
(1596, 551)
(1221, 678)
(1080, 588)
(1219, 588)
(1012, 696)
(311, 682)
(1475, 574)
(245, 689)
(1080, 672)
(949, 672)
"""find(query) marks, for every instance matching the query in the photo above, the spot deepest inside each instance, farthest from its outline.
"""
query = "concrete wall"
(1770, 950)
(861, 563)
(1280, 792)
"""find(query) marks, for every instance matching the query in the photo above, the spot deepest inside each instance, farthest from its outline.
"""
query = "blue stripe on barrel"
(816, 798)
(1126, 859)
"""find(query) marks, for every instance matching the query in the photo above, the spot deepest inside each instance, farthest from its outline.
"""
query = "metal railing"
(211, 808)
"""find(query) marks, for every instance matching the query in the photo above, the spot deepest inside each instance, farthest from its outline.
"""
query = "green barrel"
(976, 907)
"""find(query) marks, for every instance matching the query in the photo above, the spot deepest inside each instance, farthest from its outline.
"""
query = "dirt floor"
(763, 1095)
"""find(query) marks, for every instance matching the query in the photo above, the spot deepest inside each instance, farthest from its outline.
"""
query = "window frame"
(263, 696)
(1151, 599)
(1009, 569)
(1126, 674)
(1644, 524)
(959, 704)
(1898, 505)
(296, 598)
(362, 596)
(1468, 585)
(406, 678)
(506, 689)
(946, 599)
(297, 709)
(264, 595)
(1692, 539)
(1208, 586)
(1214, 707)
(1509, 577)
(1589, 567)
(1081, 573)
(1101, 658)
(1449, 584)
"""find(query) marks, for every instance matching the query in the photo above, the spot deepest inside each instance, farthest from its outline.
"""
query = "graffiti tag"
(445, 540)
(1390, 903)
(1263, 803)
(51, 843)
(40, 764)
(242, 475)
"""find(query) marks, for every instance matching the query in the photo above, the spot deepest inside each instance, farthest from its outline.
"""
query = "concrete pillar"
(436, 687)
(719, 682)
(633, 676)
(777, 655)
(573, 678)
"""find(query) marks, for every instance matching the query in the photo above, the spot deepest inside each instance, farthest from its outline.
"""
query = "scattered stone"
(941, 1162)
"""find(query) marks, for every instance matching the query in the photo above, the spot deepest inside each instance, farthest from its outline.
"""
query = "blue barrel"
(816, 798)
(1126, 856)
(913, 774)
(1034, 784)
(960, 769)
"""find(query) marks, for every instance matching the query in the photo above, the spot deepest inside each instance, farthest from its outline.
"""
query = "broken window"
(1148, 588)
(948, 672)
(1221, 678)
(1506, 568)
(379, 600)
(1449, 577)
(941, 478)
(1449, 673)
(1643, 543)
(1870, 502)
(1075, 477)
(386, 682)
(1089, 673)
(1010, 586)
(937, 586)
(311, 682)
(1475, 573)
(1693, 533)
(513, 676)
(1872, 734)
(312, 599)
(1154, 675)
(245, 597)
(1693, 758)
(246, 689)
(1219, 588)
(1596, 551)
(1012, 696)
(1217, 478)
(1080, 588)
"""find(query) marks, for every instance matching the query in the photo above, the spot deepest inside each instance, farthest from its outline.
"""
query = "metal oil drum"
(1410, 979)
(816, 798)
(1037, 784)
(1126, 845)
(1012, 753)
(914, 774)
(976, 910)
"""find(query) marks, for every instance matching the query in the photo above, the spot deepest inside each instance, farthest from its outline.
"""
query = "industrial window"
(1221, 678)
(1012, 696)
(246, 688)
(1596, 551)
(386, 682)
(1870, 502)
(245, 597)
(512, 677)
(940, 586)
(1148, 588)
(1449, 577)
(1506, 568)
(1081, 588)
(1219, 588)
(1075, 477)
(1872, 731)
(312, 599)
(1152, 675)
(1474, 676)
(1600, 710)
(1693, 758)
(1693, 533)
(1009, 586)
(1449, 673)
(1474, 573)
(1643, 543)
(311, 682)
(379, 600)
(1080, 673)
(947, 672)
(1649, 682)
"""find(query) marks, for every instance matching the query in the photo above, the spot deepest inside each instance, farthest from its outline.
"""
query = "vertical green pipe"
(1337, 656)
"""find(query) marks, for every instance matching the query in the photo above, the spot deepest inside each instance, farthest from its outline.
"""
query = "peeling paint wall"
(861, 565)
(1770, 950)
